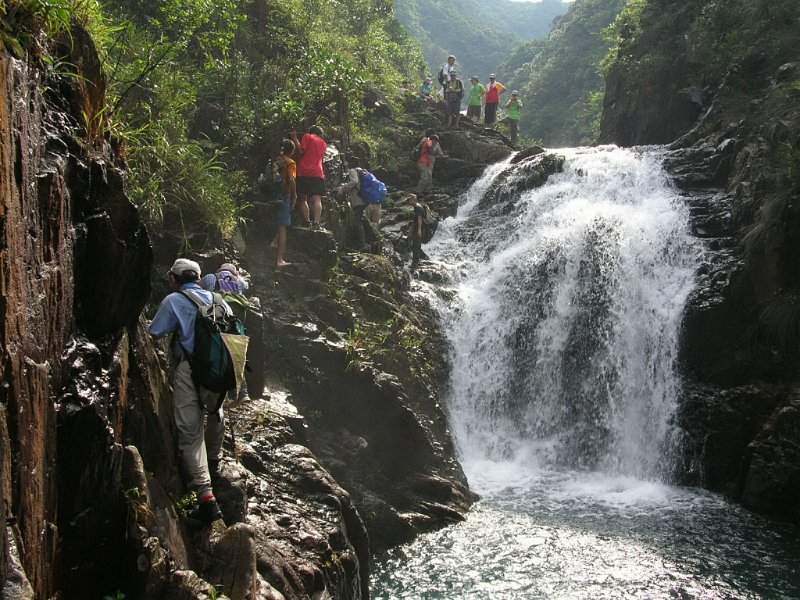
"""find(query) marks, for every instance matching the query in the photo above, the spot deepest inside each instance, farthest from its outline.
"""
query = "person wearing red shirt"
(430, 150)
(310, 176)
(493, 91)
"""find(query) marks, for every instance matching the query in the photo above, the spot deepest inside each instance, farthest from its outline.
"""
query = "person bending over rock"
(199, 442)
(430, 150)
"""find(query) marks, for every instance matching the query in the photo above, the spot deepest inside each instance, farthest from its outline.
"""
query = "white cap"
(184, 265)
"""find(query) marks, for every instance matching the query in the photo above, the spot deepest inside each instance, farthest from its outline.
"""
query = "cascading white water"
(565, 337)
(563, 321)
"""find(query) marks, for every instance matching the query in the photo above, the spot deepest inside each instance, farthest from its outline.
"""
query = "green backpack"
(430, 223)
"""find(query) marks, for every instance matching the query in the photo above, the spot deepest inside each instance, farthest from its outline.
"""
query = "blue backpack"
(371, 189)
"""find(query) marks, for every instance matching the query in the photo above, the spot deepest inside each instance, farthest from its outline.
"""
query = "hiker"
(493, 91)
(199, 444)
(430, 150)
(453, 93)
(426, 90)
(513, 107)
(476, 92)
(310, 175)
(444, 72)
(416, 230)
(288, 174)
(405, 88)
(357, 204)
(228, 282)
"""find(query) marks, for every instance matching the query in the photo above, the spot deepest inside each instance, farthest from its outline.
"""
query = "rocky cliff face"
(89, 487)
(350, 367)
(737, 162)
(740, 340)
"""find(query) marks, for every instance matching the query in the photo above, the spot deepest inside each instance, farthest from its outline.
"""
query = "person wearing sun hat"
(513, 107)
(493, 91)
(476, 93)
(453, 93)
(199, 441)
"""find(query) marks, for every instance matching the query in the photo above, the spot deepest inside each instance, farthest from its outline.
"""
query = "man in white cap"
(199, 443)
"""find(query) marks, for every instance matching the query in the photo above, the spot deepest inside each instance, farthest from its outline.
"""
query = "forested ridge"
(559, 77)
(480, 33)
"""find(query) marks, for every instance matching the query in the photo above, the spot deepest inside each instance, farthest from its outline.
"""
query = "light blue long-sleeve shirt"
(177, 313)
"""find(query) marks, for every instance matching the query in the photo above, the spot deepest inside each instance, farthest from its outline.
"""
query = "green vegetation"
(711, 34)
(481, 33)
(185, 504)
(200, 92)
(368, 341)
(561, 85)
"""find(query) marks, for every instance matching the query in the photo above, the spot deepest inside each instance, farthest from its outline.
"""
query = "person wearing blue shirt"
(199, 443)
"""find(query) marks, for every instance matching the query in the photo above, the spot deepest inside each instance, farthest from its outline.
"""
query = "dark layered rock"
(652, 94)
(739, 344)
(364, 360)
(528, 170)
(89, 480)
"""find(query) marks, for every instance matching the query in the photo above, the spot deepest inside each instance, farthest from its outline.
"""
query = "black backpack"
(441, 76)
(211, 362)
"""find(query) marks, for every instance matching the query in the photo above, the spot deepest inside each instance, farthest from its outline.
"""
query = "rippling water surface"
(584, 535)
(563, 314)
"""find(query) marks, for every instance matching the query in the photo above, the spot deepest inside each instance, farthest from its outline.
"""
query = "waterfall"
(565, 322)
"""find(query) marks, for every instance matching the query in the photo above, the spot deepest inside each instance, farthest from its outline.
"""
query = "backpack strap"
(216, 300)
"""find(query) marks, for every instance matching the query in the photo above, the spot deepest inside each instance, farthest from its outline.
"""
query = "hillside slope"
(480, 33)
(559, 78)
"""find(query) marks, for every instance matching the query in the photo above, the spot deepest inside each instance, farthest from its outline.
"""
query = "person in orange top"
(289, 199)
(430, 150)
(310, 176)
(493, 91)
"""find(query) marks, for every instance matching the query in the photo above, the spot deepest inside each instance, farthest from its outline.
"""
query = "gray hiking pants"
(198, 441)
(425, 178)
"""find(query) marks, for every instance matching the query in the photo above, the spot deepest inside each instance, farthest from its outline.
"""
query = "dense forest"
(200, 93)
(559, 77)
(481, 34)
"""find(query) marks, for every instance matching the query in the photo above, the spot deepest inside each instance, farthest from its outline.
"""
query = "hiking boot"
(206, 512)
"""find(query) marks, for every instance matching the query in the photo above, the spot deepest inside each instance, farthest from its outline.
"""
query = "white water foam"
(565, 327)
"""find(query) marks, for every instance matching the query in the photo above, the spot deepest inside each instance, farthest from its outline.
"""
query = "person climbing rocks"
(199, 438)
(453, 93)
(430, 151)
(493, 91)
(288, 176)
(231, 285)
(357, 204)
(513, 106)
(476, 94)
(416, 230)
(310, 175)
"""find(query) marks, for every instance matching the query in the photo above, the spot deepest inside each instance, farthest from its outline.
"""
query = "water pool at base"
(563, 309)
(590, 536)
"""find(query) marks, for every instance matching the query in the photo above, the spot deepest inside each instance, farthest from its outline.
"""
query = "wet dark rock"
(527, 174)
(740, 360)
(90, 484)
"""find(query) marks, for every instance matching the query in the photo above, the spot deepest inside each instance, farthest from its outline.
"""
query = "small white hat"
(184, 265)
